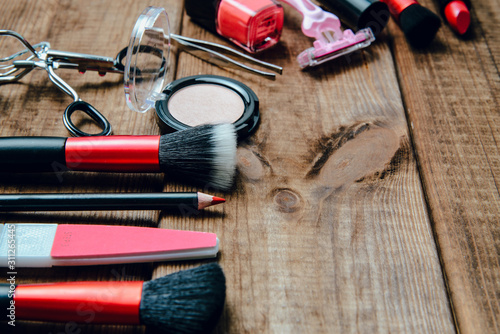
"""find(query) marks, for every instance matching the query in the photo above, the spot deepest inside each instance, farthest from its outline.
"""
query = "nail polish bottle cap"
(203, 12)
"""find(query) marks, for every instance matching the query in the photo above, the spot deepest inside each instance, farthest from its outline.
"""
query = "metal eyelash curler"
(40, 56)
(144, 73)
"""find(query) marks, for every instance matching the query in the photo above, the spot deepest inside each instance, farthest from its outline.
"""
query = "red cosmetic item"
(103, 302)
(418, 23)
(254, 25)
(188, 301)
(204, 154)
(397, 7)
(112, 153)
(458, 16)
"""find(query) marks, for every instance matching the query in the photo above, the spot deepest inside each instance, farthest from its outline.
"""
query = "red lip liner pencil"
(106, 201)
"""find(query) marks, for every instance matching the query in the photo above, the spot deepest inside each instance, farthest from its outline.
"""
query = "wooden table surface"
(366, 202)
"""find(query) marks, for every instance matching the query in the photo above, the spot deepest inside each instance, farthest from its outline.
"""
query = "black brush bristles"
(189, 301)
(419, 25)
(206, 154)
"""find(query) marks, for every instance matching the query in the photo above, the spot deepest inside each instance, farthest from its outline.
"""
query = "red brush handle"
(396, 7)
(113, 153)
(81, 302)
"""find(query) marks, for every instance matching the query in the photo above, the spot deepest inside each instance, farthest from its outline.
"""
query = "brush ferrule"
(81, 302)
(113, 153)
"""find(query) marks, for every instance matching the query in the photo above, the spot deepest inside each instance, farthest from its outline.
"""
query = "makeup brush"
(189, 301)
(206, 154)
(418, 23)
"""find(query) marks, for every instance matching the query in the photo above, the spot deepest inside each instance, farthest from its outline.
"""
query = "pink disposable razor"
(331, 42)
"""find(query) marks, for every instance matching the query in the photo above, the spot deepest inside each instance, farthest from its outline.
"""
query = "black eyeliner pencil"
(106, 201)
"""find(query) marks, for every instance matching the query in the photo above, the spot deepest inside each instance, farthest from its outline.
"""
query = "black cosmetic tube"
(359, 14)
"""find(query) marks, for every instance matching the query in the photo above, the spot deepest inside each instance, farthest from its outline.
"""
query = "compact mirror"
(147, 59)
(187, 102)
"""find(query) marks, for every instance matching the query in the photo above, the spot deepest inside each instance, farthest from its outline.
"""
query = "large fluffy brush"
(195, 304)
(205, 154)
(189, 301)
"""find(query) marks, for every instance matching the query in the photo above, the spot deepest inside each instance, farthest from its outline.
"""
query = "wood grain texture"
(326, 229)
(34, 107)
(451, 92)
(330, 226)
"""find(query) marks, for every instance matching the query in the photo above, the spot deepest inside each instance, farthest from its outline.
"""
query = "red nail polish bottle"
(254, 25)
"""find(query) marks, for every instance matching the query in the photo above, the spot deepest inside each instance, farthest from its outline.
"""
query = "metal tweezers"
(202, 50)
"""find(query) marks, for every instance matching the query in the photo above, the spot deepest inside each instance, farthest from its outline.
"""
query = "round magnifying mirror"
(147, 59)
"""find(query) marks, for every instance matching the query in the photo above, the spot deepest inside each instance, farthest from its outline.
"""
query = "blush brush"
(189, 301)
(205, 154)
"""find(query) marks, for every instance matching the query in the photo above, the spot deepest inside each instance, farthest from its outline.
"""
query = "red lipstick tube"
(456, 13)
(253, 25)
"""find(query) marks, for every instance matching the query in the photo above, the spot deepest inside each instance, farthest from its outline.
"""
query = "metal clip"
(204, 50)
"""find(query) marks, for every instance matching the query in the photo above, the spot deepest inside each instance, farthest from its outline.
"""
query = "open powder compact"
(186, 102)
(208, 99)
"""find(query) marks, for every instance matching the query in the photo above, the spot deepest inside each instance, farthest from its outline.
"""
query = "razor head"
(322, 52)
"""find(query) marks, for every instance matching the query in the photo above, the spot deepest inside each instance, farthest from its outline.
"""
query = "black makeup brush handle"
(32, 154)
(5, 296)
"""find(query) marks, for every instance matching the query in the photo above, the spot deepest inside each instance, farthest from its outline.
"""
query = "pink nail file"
(330, 41)
(46, 245)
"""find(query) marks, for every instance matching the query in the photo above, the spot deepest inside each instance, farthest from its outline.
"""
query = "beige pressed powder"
(206, 104)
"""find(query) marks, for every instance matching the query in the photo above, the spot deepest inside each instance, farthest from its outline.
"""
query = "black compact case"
(245, 125)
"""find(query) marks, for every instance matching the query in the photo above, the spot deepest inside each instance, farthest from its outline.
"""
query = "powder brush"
(205, 154)
(189, 301)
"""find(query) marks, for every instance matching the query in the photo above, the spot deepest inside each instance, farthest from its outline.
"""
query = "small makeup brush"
(189, 301)
(418, 23)
(205, 154)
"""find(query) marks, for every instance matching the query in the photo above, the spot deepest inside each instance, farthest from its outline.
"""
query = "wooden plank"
(34, 107)
(326, 229)
(451, 92)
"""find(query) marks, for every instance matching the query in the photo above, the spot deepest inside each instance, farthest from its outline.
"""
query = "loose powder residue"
(206, 104)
